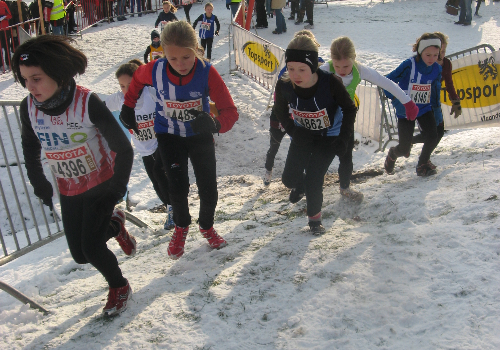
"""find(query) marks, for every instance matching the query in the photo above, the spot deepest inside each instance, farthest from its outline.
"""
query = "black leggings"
(345, 165)
(418, 138)
(276, 137)
(406, 127)
(175, 151)
(156, 172)
(187, 8)
(207, 44)
(87, 230)
(314, 158)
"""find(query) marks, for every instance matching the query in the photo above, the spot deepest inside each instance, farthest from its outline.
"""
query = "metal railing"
(21, 212)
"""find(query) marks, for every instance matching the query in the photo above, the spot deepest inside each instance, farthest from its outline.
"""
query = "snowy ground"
(414, 266)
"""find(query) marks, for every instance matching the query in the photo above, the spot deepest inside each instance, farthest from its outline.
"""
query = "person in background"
(186, 6)
(139, 8)
(323, 120)
(145, 141)
(420, 77)
(54, 13)
(465, 16)
(92, 167)
(233, 5)
(154, 50)
(260, 10)
(5, 15)
(343, 64)
(277, 6)
(207, 28)
(168, 14)
(184, 128)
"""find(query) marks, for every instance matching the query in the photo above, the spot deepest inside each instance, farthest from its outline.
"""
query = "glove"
(411, 110)
(227, 6)
(340, 146)
(46, 14)
(127, 117)
(216, 33)
(456, 108)
(204, 123)
(44, 191)
(301, 136)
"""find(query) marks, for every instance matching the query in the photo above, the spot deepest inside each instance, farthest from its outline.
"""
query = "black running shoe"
(425, 170)
(296, 195)
(316, 228)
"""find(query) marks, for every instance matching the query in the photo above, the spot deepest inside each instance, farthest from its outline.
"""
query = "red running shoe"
(214, 240)
(117, 300)
(125, 240)
(176, 245)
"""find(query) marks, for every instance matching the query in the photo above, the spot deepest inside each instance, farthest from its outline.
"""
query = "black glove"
(44, 191)
(227, 6)
(204, 123)
(340, 146)
(216, 33)
(127, 117)
(301, 136)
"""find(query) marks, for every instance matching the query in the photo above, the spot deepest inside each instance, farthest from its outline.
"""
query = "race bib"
(72, 163)
(179, 110)
(146, 131)
(186, 2)
(420, 93)
(312, 120)
(156, 54)
(205, 25)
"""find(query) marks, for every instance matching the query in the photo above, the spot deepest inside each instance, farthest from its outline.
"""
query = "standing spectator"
(277, 6)
(478, 5)
(465, 17)
(54, 13)
(294, 7)
(233, 5)
(120, 10)
(260, 9)
(309, 5)
(4, 38)
(132, 5)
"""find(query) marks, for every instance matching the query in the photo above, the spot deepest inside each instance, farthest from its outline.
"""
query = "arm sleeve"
(280, 109)
(374, 77)
(146, 54)
(31, 148)
(107, 125)
(340, 94)
(195, 23)
(158, 20)
(398, 74)
(142, 76)
(218, 92)
(216, 20)
(447, 77)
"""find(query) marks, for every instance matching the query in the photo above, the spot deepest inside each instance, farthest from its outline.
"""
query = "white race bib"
(156, 54)
(312, 120)
(420, 93)
(179, 110)
(205, 25)
(146, 131)
(72, 163)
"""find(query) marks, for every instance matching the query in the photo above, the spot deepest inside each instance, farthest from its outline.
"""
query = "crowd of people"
(173, 103)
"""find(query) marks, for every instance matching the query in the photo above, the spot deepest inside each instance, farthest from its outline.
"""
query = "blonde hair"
(443, 37)
(182, 34)
(424, 37)
(342, 48)
(209, 4)
(309, 34)
(300, 42)
(173, 9)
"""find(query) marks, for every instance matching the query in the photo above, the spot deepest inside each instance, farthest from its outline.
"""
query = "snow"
(414, 266)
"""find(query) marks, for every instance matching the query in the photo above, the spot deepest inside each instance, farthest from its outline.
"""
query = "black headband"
(308, 57)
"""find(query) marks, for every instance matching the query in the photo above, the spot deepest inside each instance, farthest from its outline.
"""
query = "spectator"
(233, 5)
(132, 5)
(465, 17)
(54, 13)
(260, 9)
(5, 15)
(277, 6)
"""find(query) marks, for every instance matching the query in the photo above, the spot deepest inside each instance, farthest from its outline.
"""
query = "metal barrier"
(21, 209)
(389, 118)
(12, 37)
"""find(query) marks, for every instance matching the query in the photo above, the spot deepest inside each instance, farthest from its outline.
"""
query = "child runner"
(145, 141)
(183, 83)
(343, 64)
(186, 6)
(168, 14)
(92, 162)
(207, 30)
(154, 50)
(420, 77)
(456, 108)
(276, 131)
(323, 121)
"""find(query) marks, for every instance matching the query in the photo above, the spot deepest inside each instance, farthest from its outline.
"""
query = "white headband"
(425, 43)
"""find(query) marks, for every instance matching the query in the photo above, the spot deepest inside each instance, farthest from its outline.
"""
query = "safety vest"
(57, 10)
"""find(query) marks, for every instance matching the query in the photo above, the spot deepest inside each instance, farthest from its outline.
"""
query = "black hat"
(154, 34)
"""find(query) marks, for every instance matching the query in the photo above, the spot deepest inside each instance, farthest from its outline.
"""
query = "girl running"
(168, 15)
(323, 121)
(91, 161)
(420, 77)
(343, 64)
(207, 28)
(184, 127)
(145, 140)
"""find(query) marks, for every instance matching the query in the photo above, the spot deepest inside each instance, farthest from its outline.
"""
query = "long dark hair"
(53, 54)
